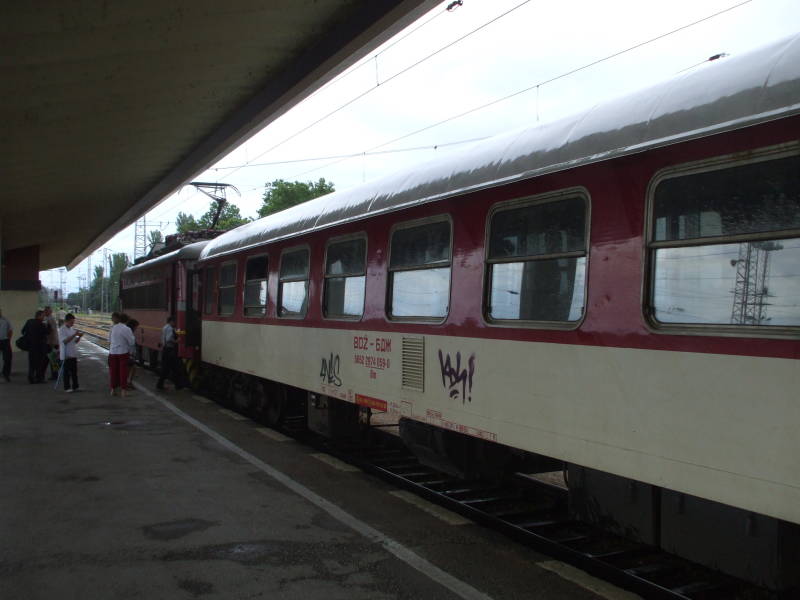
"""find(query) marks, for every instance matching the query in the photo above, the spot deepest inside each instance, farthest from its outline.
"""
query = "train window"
(293, 285)
(209, 291)
(725, 246)
(149, 296)
(226, 294)
(345, 278)
(537, 262)
(419, 271)
(255, 286)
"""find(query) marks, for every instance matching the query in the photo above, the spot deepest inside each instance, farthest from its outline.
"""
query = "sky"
(457, 76)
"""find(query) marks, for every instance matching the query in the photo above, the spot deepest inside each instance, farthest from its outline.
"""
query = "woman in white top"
(121, 342)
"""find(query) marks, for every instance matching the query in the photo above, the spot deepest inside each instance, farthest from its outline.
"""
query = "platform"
(168, 496)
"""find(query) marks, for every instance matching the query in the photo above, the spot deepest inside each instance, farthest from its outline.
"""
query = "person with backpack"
(35, 344)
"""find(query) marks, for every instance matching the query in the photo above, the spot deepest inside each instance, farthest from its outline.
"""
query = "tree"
(96, 289)
(44, 296)
(76, 299)
(103, 291)
(185, 223)
(119, 262)
(228, 219)
(155, 238)
(280, 195)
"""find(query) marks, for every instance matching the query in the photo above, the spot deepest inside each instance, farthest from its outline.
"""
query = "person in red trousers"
(121, 342)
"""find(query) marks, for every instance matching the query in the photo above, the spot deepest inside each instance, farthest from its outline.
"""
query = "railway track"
(96, 330)
(536, 513)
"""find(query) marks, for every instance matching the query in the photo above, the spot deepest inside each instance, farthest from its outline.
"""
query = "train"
(615, 294)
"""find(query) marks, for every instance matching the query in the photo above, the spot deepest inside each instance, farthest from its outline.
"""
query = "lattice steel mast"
(750, 290)
(140, 238)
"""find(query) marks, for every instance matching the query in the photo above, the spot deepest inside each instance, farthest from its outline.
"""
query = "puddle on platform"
(123, 424)
(195, 587)
(248, 553)
(172, 530)
(78, 478)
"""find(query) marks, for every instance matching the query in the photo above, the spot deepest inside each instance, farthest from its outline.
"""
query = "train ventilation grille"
(414, 363)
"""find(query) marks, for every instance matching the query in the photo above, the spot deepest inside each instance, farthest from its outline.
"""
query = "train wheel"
(275, 405)
(258, 397)
(139, 355)
(218, 384)
(239, 392)
(152, 358)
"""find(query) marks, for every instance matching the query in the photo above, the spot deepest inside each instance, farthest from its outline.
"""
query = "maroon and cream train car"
(619, 291)
(163, 286)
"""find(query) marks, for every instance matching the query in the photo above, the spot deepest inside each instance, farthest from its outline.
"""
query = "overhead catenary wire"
(373, 59)
(538, 85)
(353, 154)
(387, 80)
(469, 111)
(370, 90)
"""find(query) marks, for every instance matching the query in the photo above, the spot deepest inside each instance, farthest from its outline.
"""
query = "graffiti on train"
(455, 379)
(329, 371)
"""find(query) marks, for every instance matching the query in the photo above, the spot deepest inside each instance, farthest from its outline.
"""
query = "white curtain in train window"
(345, 278)
(210, 283)
(226, 298)
(255, 286)
(420, 271)
(294, 283)
(538, 290)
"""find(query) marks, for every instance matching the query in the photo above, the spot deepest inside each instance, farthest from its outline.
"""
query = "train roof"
(188, 252)
(736, 92)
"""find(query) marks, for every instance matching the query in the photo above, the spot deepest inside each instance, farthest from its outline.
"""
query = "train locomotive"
(164, 286)
(616, 293)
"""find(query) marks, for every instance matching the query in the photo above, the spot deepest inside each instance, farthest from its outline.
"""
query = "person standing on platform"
(6, 333)
(35, 333)
(61, 315)
(69, 338)
(52, 341)
(133, 324)
(121, 341)
(169, 355)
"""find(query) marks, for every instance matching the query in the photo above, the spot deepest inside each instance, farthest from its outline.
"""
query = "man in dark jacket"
(36, 333)
(6, 333)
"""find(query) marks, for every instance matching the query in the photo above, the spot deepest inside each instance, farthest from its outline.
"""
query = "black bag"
(23, 343)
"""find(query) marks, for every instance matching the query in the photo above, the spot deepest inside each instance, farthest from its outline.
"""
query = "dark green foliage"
(228, 219)
(280, 195)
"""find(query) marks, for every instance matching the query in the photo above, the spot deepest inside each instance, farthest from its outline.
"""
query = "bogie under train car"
(617, 294)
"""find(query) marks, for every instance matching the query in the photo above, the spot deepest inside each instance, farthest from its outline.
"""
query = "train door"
(193, 324)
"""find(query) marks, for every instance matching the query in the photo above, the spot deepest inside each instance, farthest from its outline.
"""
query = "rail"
(96, 330)
(536, 513)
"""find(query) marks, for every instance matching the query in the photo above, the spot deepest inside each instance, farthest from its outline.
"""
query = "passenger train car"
(617, 292)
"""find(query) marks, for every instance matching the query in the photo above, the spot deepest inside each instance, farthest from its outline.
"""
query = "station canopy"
(109, 107)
